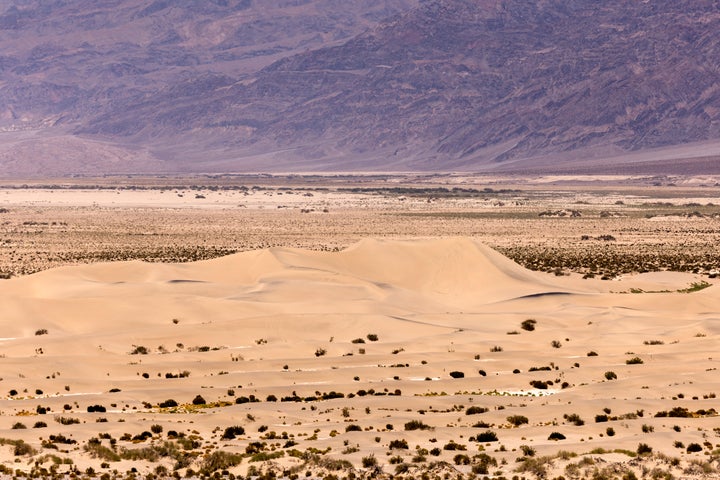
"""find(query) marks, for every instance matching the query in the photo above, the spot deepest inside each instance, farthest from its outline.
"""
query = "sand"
(413, 330)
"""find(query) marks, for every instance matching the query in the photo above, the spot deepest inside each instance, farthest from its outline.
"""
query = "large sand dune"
(289, 322)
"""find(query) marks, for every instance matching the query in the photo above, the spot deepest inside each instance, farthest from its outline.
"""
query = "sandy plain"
(360, 327)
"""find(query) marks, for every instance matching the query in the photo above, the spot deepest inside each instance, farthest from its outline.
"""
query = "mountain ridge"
(446, 85)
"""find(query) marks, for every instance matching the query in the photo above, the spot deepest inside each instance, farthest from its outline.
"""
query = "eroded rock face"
(449, 84)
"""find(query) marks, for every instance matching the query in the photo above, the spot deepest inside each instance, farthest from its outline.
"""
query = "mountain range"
(530, 86)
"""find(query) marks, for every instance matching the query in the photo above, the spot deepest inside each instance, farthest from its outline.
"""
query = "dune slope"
(374, 337)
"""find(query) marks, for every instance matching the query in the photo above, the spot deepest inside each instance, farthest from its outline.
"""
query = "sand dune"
(382, 315)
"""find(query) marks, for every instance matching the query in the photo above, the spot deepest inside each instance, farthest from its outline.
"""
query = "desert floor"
(360, 326)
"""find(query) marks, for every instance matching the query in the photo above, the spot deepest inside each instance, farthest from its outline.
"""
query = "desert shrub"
(527, 450)
(360, 340)
(457, 374)
(556, 436)
(694, 447)
(517, 420)
(539, 384)
(60, 438)
(601, 418)
(372, 337)
(40, 425)
(452, 446)
(42, 331)
(220, 460)
(644, 449)
(353, 428)
(540, 369)
(575, 419)
(556, 344)
(199, 400)
(271, 398)
(369, 461)
(18, 426)
(634, 361)
(474, 410)
(139, 350)
(609, 375)
(487, 436)
(653, 342)
(399, 444)
(461, 459)
(417, 425)
(168, 404)
(647, 428)
(677, 412)
(592, 353)
(610, 432)
(21, 448)
(232, 432)
(496, 348)
(67, 420)
(482, 373)
(320, 352)
(528, 325)
(96, 408)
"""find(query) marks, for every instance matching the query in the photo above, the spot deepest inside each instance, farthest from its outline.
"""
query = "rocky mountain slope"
(302, 85)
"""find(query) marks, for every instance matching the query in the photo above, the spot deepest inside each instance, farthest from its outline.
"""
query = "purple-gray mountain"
(236, 85)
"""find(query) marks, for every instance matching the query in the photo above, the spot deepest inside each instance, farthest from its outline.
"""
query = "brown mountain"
(517, 85)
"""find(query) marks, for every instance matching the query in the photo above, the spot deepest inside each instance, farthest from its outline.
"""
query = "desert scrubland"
(360, 327)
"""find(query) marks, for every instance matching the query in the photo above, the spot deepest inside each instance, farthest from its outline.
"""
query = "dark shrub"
(488, 436)
(528, 325)
(232, 432)
(399, 444)
(644, 449)
(517, 420)
(199, 400)
(475, 410)
(416, 425)
(556, 436)
(457, 374)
